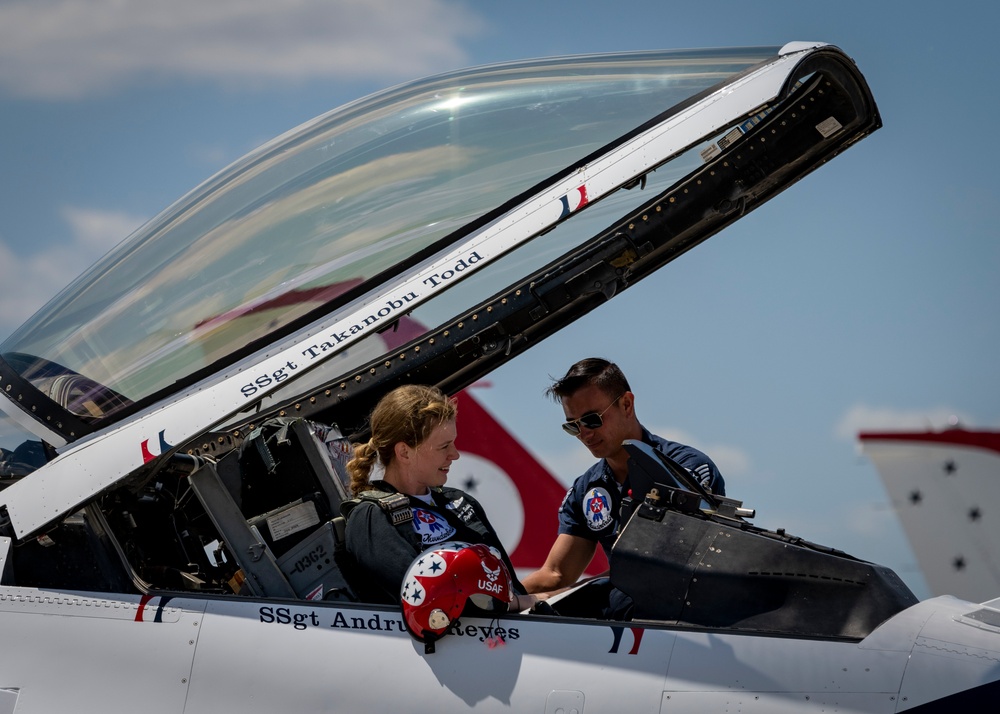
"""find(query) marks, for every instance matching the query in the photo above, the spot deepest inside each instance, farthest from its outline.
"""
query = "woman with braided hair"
(405, 416)
(410, 509)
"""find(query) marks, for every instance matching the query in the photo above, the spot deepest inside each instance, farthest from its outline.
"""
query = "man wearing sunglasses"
(600, 412)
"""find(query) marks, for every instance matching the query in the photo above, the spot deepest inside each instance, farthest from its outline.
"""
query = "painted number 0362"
(309, 559)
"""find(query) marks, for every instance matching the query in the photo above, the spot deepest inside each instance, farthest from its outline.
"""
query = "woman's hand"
(520, 603)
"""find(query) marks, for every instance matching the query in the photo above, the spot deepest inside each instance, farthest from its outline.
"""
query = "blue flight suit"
(591, 507)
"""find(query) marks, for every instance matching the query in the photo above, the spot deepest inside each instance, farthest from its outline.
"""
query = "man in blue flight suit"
(600, 411)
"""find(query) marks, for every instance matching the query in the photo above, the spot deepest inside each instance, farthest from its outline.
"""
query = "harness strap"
(395, 505)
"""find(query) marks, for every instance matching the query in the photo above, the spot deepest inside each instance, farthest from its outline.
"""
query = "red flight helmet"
(443, 578)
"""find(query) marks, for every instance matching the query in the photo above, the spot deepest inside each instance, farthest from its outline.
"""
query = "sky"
(864, 297)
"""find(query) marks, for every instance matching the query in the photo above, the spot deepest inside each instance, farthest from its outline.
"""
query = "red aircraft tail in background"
(520, 495)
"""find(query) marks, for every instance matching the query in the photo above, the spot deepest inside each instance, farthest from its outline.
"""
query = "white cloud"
(96, 232)
(28, 282)
(863, 417)
(59, 49)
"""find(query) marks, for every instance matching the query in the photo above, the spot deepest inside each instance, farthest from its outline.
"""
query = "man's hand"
(565, 563)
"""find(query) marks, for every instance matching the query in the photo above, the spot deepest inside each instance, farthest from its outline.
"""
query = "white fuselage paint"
(108, 653)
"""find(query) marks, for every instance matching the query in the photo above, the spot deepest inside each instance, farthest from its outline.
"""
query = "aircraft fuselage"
(189, 654)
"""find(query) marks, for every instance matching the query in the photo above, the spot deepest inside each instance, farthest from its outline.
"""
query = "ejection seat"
(276, 504)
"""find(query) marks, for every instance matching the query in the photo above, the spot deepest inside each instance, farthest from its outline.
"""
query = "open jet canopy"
(470, 215)
(328, 213)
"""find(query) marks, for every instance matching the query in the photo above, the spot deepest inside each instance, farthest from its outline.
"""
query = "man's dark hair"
(595, 371)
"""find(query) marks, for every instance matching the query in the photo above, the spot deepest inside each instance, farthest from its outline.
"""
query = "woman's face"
(433, 456)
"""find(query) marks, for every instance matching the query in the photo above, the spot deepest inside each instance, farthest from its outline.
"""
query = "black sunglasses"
(591, 420)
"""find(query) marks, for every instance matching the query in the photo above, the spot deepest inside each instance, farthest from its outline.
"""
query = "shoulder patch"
(597, 509)
(431, 527)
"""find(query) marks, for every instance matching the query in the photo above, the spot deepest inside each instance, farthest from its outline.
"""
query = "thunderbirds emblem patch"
(597, 509)
(432, 528)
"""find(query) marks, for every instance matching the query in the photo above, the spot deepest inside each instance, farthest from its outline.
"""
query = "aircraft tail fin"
(945, 487)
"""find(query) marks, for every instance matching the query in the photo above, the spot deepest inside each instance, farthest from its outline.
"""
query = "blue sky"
(863, 297)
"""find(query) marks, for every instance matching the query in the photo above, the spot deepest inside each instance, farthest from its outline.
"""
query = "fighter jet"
(170, 532)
